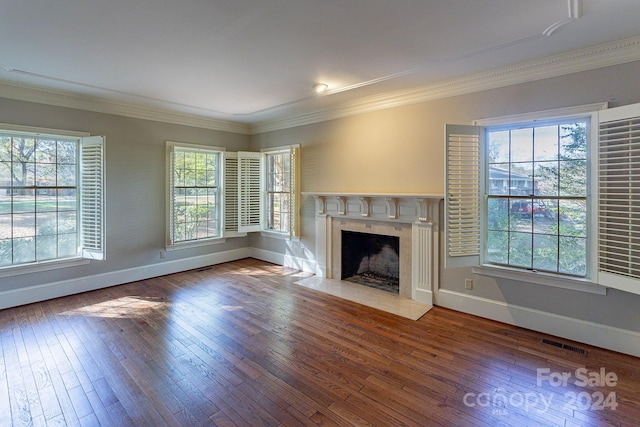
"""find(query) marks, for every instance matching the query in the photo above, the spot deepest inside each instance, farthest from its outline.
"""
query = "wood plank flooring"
(240, 345)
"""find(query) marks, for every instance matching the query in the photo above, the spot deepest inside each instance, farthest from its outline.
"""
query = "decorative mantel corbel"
(364, 203)
(321, 204)
(392, 205)
(342, 205)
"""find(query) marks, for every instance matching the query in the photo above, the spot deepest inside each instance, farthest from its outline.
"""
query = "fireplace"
(371, 260)
(409, 220)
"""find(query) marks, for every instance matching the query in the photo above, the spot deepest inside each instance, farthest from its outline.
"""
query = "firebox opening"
(371, 260)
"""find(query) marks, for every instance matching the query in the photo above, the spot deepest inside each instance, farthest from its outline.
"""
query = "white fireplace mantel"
(401, 207)
(413, 217)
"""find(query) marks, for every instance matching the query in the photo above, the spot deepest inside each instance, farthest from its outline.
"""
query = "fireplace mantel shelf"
(396, 195)
(403, 207)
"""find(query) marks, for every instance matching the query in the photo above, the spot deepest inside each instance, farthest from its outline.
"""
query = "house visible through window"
(51, 195)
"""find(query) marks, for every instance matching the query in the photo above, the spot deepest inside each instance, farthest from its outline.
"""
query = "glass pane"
(46, 247)
(573, 255)
(46, 223)
(24, 225)
(498, 214)
(545, 252)
(67, 245)
(24, 201)
(520, 179)
(67, 175)
(67, 152)
(521, 218)
(498, 143)
(67, 222)
(573, 178)
(24, 250)
(499, 178)
(498, 247)
(5, 226)
(45, 174)
(520, 245)
(546, 182)
(23, 150)
(546, 143)
(573, 218)
(5, 251)
(23, 174)
(46, 151)
(573, 141)
(67, 200)
(522, 145)
(5, 149)
(46, 201)
(5, 173)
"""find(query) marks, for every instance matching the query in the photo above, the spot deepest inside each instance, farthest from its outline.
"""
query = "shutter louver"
(249, 192)
(619, 201)
(463, 189)
(92, 197)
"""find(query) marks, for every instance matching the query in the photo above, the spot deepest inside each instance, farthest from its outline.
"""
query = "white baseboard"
(608, 337)
(47, 291)
(306, 265)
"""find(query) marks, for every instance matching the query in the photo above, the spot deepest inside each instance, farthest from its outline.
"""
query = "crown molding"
(609, 54)
(58, 98)
(615, 53)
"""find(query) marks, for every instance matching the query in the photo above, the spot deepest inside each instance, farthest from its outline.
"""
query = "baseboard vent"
(565, 346)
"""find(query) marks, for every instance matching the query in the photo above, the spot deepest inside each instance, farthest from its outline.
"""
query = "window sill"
(37, 267)
(195, 244)
(541, 278)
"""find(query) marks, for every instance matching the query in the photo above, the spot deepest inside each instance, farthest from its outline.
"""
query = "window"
(51, 196)
(518, 195)
(194, 199)
(280, 191)
(536, 197)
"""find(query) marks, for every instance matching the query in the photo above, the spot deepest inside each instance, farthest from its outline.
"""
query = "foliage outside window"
(278, 191)
(536, 192)
(195, 200)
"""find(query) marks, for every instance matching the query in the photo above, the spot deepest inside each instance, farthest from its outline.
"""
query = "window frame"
(477, 262)
(90, 200)
(171, 147)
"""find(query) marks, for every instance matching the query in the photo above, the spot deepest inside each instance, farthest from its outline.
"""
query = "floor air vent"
(565, 346)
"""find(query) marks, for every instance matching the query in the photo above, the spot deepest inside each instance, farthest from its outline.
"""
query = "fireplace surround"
(413, 218)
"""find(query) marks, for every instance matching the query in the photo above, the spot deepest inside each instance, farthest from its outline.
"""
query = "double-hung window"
(280, 191)
(551, 198)
(519, 194)
(194, 193)
(51, 197)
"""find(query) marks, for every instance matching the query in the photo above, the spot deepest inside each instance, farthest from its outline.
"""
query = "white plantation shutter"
(294, 196)
(230, 185)
(619, 198)
(462, 195)
(92, 197)
(249, 191)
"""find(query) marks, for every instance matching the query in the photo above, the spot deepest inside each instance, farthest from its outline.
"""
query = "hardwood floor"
(240, 344)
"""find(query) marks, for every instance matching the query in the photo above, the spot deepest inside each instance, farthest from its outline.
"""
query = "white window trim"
(586, 284)
(37, 267)
(169, 246)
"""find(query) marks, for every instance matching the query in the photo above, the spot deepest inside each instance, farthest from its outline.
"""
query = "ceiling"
(253, 62)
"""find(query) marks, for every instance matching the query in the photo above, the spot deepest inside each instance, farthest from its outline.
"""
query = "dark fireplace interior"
(372, 260)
